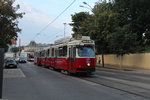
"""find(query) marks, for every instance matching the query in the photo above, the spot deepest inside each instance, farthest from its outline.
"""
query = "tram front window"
(86, 51)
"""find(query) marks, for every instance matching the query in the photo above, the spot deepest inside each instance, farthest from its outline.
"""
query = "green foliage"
(147, 49)
(105, 25)
(8, 22)
(15, 49)
(117, 26)
(79, 20)
(123, 41)
(137, 13)
(134, 14)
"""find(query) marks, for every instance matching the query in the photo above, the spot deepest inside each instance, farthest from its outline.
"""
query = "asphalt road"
(30, 82)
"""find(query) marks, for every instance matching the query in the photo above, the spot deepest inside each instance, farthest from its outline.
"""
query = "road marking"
(29, 63)
(13, 73)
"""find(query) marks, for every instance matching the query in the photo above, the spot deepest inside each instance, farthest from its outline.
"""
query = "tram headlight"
(88, 64)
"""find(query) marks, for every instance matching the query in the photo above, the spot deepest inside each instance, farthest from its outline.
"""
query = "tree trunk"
(102, 59)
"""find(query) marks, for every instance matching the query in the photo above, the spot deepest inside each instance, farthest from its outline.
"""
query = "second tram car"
(74, 55)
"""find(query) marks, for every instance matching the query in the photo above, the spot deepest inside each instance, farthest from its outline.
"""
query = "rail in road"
(121, 86)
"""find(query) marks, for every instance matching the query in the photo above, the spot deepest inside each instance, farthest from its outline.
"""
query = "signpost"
(1, 70)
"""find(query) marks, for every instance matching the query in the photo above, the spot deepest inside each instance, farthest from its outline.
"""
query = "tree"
(146, 37)
(117, 26)
(15, 49)
(125, 22)
(79, 20)
(8, 22)
(123, 41)
(98, 26)
(132, 23)
(104, 26)
(135, 14)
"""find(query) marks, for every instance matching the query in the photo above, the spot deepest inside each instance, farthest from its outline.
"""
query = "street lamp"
(90, 8)
(87, 5)
(84, 3)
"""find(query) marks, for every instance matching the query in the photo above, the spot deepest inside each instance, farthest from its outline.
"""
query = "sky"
(37, 24)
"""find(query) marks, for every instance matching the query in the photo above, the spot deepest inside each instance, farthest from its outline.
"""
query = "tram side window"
(47, 53)
(64, 51)
(40, 54)
(60, 51)
(69, 52)
(52, 52)
(35, 54)
(56, 52)
(74, 51)
(43, 54)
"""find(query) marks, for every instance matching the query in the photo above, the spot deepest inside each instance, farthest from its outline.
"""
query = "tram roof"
(69, 41)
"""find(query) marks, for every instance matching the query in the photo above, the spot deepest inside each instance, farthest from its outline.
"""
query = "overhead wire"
(54, 35)
(53, 20)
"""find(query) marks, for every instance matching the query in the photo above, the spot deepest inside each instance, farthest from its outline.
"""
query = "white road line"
(13, 73)
(29, 63)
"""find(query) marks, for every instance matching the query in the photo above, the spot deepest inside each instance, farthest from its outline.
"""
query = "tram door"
(55, 58)
(72, 58)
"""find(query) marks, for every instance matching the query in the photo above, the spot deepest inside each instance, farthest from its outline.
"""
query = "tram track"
(125, 76)
(98, 79)
(137, 91)
(103, 81)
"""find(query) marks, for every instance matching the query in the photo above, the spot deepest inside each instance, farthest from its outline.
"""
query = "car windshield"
(22, 59)
(11, 61)
(86, 51)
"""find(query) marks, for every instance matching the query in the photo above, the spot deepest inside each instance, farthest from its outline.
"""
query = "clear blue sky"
(41, 12)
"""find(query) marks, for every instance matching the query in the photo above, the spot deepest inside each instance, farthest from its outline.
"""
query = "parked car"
(22, 60)
(10, 64)
(17, 59)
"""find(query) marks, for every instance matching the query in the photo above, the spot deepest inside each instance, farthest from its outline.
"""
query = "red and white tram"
(73, 55)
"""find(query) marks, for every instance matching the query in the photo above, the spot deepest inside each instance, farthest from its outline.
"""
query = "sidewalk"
(125, 69)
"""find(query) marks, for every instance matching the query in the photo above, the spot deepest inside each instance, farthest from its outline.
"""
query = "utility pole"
(64, 30)
(1, 70)
(19, 47)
